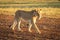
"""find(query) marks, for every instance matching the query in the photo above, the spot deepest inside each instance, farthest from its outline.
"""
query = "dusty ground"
(49, 27)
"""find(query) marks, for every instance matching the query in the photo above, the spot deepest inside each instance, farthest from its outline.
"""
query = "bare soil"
(49, 27)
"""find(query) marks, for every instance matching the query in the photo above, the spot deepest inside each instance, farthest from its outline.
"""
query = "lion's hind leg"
(14, 24)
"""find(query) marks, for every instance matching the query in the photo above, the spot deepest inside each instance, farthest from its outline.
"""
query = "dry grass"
(48, 12)
(50, 28)
(29, 0)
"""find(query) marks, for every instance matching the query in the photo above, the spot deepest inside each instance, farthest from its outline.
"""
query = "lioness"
(30, 16)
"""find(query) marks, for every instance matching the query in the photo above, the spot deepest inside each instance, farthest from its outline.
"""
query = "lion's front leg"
(34, 24)
(30, 25)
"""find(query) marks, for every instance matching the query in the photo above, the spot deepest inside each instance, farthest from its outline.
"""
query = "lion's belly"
(26, 19)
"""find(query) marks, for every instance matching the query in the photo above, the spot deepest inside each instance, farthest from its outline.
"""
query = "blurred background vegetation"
(29, 3)
(50, 8)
